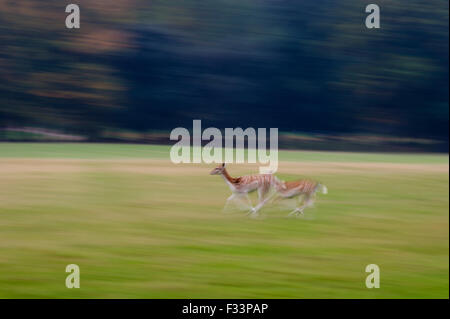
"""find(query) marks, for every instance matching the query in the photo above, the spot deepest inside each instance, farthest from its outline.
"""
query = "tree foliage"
(307, 66)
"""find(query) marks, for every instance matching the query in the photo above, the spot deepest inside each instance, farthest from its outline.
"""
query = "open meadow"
(140, 226)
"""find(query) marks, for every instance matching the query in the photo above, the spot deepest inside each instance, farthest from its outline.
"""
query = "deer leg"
(249, 203)
(300, 212)
(240, 200)
(263, 201)
(228, 201)
(308, 202)
(294, 212)
(254, 211)
(245, 201)
(277, 198)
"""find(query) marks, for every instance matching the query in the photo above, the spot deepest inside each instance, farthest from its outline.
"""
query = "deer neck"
(228, 178)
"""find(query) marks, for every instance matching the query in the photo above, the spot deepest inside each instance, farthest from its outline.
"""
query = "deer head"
(218, 170)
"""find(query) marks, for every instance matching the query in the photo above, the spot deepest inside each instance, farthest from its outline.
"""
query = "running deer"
(243, 185)
(303, 190)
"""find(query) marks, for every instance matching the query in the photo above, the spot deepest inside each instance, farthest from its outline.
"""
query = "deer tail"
(322, 188)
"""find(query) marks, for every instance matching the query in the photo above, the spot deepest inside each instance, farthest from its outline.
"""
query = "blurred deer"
(303, 190)
(243, 185)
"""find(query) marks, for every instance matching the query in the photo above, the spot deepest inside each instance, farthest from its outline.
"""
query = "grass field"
(141, 227)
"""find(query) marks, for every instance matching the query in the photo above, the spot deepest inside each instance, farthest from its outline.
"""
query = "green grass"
(152, 229)
(82, 151)
(138, 151)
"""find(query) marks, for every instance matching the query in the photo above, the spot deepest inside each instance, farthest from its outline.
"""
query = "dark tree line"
(309, 66)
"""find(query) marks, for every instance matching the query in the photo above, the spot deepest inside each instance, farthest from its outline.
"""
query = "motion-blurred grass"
(141, 227)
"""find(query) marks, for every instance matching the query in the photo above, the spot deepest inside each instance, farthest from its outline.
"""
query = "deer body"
(243, 185)
(304, 190)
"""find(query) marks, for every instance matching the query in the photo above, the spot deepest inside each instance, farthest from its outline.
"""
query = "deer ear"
(223, 164)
